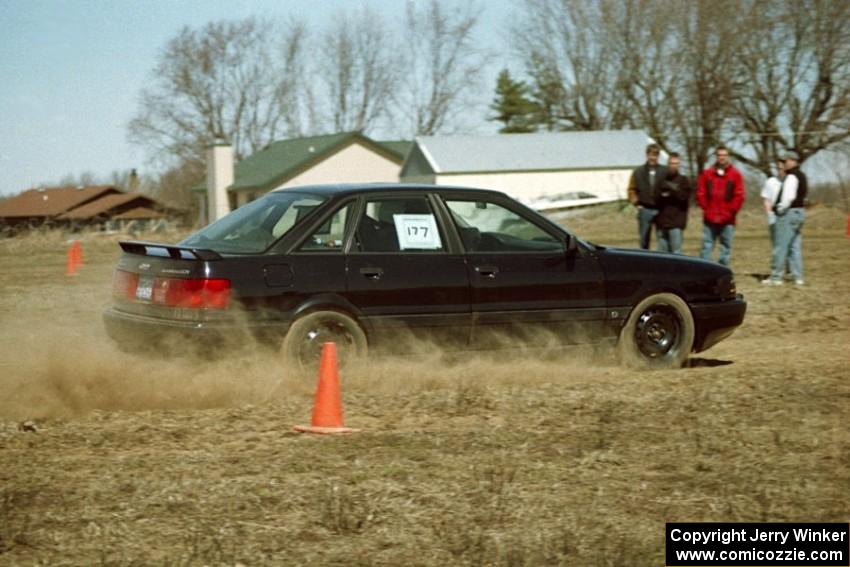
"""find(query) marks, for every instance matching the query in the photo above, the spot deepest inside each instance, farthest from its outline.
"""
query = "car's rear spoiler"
(176, 252)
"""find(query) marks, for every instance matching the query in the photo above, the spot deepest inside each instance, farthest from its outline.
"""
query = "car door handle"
(487, 271)
(372, 273)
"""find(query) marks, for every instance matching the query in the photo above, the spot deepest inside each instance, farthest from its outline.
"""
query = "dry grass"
(482, 460)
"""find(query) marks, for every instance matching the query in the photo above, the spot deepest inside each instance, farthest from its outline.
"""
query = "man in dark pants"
(672, 200)
(643, 186)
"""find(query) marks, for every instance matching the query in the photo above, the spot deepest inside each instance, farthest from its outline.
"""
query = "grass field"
(487, 460)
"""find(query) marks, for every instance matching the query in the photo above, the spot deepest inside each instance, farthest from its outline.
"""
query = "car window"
(399, 224)
(329, 237)
(254, 227)
(489, 227)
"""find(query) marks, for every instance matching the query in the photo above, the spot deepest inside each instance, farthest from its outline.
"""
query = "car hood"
(647, 260)
(631, 273)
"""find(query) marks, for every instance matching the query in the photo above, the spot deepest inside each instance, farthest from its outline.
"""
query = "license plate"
(144, 291)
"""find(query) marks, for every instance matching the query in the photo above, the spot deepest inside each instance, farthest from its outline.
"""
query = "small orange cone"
(327, 409)
(71, 264)
(848, 227)
(78, 252)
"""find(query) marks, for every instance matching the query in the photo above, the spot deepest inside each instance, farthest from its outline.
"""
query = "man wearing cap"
(720, 194)
(790, 216)
(643, 187)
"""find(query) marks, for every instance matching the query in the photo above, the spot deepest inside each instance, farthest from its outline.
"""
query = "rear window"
(254, 227)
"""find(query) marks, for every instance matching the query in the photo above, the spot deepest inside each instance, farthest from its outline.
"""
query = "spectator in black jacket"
(643, 187)
(672, 197)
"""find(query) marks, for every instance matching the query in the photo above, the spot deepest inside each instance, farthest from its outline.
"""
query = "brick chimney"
(219, 178)
(133, 182)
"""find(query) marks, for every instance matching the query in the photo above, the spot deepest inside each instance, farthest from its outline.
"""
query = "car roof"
(358, 188)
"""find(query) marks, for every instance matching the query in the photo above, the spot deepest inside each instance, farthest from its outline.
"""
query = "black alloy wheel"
(659, 333)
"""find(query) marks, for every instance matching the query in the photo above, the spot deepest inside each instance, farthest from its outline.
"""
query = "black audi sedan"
(391, 266)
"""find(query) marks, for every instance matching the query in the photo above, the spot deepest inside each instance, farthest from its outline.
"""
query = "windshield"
(254, 227)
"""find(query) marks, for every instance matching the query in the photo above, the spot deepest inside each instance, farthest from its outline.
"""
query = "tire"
(302, 346)
(658, 334)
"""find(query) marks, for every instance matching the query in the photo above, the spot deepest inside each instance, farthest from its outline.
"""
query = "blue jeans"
(788, 244)
(712, 232)
(645, 220)
(771, 230)
(795, 256)
(669, 240)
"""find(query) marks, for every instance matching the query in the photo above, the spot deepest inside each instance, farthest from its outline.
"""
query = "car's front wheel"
(302, 346)
(659, 333)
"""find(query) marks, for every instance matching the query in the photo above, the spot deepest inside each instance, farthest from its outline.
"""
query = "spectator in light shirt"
(790, 216)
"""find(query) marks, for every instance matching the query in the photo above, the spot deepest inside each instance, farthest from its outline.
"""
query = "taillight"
(124, 284)
(172, 292)
(192, 293)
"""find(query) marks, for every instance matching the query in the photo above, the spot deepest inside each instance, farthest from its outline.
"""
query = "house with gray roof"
(545, 170)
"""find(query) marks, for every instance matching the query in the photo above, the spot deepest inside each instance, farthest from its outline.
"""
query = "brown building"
(102, 206)
(41, 206)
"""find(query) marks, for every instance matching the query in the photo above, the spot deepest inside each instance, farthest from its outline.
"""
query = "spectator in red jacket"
(720, 194)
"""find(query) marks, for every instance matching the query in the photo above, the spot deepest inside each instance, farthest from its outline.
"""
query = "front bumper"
(717, 320)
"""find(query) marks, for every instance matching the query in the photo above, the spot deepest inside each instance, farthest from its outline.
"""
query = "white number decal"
(418, 232)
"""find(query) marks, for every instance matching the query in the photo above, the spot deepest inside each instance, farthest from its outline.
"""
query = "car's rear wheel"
(302, 346)
(658, 334)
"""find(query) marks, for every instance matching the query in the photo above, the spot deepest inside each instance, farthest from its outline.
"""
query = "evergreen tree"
(513, 106)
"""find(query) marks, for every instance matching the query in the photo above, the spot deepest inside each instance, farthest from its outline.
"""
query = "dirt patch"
(514, 459)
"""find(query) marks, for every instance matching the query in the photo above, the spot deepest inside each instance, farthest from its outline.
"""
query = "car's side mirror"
(572, 244)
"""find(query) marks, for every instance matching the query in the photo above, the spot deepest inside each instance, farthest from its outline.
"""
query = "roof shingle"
(106, 204)
(139, 213)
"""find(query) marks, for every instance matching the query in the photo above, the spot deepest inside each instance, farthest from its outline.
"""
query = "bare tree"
(794, 78)
(220, 82)
(358, 68)
(759, 76)
(660, 65)
(173, 186)
(571, 41)
(765, 81)
(292, 92)
(83, 179)
(708, 41)
(547, 92)
(442, 68)
(651, 65)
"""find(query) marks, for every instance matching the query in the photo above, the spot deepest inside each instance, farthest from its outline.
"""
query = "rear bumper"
(134, 332)
(717, 320)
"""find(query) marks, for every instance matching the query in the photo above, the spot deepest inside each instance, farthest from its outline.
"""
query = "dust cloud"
(57, 374)
(57, 361)
(56, 371)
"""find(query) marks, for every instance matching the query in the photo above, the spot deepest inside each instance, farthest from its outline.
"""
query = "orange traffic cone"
(78, 252)
(327, 409)
(848, 227)
(71, 264)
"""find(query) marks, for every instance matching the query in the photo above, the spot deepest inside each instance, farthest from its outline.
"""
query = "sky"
(71, 72)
